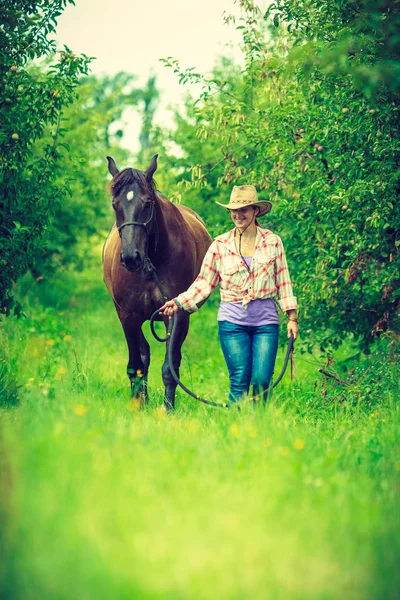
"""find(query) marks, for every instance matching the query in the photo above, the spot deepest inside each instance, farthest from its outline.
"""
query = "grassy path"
(99, 500)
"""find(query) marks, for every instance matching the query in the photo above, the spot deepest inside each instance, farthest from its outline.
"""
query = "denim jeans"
(250, 353)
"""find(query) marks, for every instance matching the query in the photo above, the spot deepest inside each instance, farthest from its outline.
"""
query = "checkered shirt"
(268, 276)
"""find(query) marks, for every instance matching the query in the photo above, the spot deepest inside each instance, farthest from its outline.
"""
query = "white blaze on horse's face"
(130, 195)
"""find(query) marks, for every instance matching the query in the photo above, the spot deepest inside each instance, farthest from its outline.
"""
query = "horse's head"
(133, 200)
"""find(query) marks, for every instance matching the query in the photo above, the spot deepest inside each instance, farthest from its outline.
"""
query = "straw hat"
(246, 195)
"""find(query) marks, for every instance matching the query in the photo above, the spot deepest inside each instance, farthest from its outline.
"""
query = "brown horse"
(150, 233)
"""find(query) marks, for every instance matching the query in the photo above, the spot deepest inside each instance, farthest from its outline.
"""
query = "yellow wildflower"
(234, 429)
(60, 372)
(50, 342)
(298, 444)
(31, 379)
(68, 338)
(80, 410)
(284, 450)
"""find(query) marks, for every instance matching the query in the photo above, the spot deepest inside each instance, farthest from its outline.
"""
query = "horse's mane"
(129, 176)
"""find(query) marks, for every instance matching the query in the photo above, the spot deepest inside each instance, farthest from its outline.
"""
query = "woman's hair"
(256, 212)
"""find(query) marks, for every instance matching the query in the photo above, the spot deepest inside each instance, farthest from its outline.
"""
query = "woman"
(250, 265)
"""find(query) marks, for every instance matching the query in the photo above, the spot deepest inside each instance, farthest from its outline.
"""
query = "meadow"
(299, 500)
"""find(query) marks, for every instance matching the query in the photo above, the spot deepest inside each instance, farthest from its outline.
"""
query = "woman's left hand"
(292, 327)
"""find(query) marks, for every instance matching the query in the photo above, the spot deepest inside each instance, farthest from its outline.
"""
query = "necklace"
(248, 243)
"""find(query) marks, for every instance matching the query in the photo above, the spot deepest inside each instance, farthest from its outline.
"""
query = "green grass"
(99, 500)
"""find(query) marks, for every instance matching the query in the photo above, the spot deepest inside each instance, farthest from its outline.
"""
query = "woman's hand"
(169, 308)
(292, 327)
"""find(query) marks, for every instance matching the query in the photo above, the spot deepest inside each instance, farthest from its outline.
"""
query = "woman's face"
(243, 216)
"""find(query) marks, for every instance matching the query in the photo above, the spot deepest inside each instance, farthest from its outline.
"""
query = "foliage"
(313, 122)
(31, 101)
(149, 97)
(92, 127)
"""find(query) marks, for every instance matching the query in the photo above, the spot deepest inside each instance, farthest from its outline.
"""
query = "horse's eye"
(113, 205)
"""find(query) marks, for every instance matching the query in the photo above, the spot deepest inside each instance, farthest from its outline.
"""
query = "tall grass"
(101, 500)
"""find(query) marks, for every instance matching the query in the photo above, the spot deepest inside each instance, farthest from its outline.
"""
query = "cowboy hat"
(246, 195)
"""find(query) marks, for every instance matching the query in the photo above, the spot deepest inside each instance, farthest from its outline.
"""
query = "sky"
(132, 35)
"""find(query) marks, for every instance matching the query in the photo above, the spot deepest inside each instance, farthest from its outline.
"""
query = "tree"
(31, 100)
(149, 96)
(92, 129)
(313, 122)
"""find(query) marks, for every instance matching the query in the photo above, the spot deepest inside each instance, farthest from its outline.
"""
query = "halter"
(144, 224)
(139, 222)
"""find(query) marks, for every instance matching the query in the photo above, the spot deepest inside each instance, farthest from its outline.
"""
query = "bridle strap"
(142, 224)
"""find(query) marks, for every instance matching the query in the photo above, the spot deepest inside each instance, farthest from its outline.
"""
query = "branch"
(330, 376)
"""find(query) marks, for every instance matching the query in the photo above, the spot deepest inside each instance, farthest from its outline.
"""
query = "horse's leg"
(136, 368)
(177, 338)
(145, 356)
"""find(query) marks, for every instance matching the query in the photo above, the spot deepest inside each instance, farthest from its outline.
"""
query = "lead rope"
(170, 329)
(171, 326)
(293, 369)
(240, 241)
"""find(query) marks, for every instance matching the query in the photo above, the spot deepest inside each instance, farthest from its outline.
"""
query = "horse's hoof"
(168, 407)
(135, 404)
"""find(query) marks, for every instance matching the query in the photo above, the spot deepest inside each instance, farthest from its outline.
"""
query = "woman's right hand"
(169, 308)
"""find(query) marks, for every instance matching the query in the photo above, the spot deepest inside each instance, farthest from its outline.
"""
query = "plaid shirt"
(268, 276)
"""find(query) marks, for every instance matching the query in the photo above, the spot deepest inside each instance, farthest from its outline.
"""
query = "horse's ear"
(112, 167)
(151, 169)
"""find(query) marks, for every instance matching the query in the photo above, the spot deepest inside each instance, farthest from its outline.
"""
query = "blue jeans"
(250, 353)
